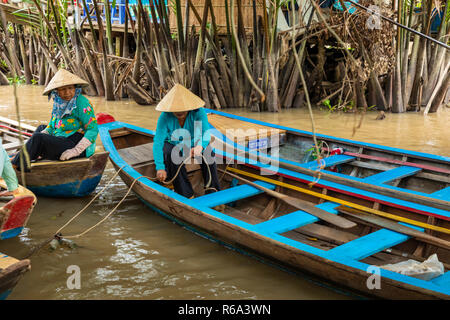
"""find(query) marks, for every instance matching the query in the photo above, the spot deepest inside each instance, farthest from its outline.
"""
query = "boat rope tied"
(58, 238)
(123, 198)
(343, 202)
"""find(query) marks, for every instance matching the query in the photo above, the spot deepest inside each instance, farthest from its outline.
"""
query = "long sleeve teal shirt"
(6, 171)
(194, 132)
(82, 120)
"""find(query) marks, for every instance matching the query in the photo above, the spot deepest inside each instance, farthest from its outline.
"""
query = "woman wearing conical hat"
(182, 131)
(72, 130)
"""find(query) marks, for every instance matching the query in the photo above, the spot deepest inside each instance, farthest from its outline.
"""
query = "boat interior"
(363, 164)
(365, 242)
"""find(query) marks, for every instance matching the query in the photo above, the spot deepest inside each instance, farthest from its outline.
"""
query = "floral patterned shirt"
(82, 120)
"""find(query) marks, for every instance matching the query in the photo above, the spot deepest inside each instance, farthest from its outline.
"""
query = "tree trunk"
(439, 98)
(3, 79)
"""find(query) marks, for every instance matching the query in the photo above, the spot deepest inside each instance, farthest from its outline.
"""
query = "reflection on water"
(137, 254)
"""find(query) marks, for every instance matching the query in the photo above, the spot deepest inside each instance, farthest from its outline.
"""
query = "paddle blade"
(319, 213)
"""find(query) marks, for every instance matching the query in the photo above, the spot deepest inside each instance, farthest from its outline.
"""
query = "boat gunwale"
(349, 265)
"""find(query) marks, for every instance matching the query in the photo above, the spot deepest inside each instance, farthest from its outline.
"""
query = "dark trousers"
(48, 146)
(181, 184)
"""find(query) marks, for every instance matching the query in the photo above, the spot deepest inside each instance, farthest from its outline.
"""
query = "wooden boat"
(14, 215)
(72, 178)
(260, 224)
(11, 271)
(408, 175)
(15, 212)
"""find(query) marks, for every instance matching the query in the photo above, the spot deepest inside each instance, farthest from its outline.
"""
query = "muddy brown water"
(137, 254)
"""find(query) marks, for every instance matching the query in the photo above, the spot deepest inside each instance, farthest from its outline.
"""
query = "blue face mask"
(62, 107)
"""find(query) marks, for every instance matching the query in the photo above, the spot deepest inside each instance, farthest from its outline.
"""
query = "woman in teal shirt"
(182, 131)
(8, 174)
(72, 130)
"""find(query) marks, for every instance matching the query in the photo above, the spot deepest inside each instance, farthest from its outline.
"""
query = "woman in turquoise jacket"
(181, 132)
(72, 130)
(8, 174)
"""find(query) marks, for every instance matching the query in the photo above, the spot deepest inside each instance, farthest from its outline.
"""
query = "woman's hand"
(161, 175)
(75, 151)
(196, 151)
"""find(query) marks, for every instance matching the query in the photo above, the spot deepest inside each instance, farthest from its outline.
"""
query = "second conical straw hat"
(64, 78)
(179, 99)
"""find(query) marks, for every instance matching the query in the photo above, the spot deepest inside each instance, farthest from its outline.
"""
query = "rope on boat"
(58, 235)
(123, 198)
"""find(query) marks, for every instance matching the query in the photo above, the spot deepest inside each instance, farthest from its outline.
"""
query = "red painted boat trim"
(17, 212)
(405, 163)
(15, 130)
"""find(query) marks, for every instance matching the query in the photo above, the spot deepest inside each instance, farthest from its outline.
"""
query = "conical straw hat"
(64, 78)
(179, 99)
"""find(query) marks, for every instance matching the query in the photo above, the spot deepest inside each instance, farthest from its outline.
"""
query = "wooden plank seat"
(11, 146)
(370, 244)
(442, 280)
(142, 155)
(293, 220)
(443, 193)
(286, 222)
(231, 194)
(138, 154)
(328, 161)
(393, 174)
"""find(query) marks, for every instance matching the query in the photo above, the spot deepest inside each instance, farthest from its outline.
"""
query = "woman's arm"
(8, 173)
(89, 123)
(50, 127)
(90, 126)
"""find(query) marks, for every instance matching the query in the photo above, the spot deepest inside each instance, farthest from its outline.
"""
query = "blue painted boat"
(62, 179)
(263, 226)
(409, 175)
(66, 179)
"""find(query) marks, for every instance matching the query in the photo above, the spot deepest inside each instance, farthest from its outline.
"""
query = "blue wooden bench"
(231, 194)
(370, 244)
(292, 220)
(328, 162)
(393, 174)
(442, 280)
(443, 193)
(285, 223)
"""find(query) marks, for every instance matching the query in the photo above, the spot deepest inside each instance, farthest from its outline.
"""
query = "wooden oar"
(346, 203)
(400, 162)
(300, 204)
(394, 226)
(432, 202)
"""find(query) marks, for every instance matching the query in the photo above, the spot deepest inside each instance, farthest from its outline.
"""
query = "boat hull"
(66, 179)
(11, 271)
(201, 218)
(234, 236)
(14, 216)
(15, 213)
